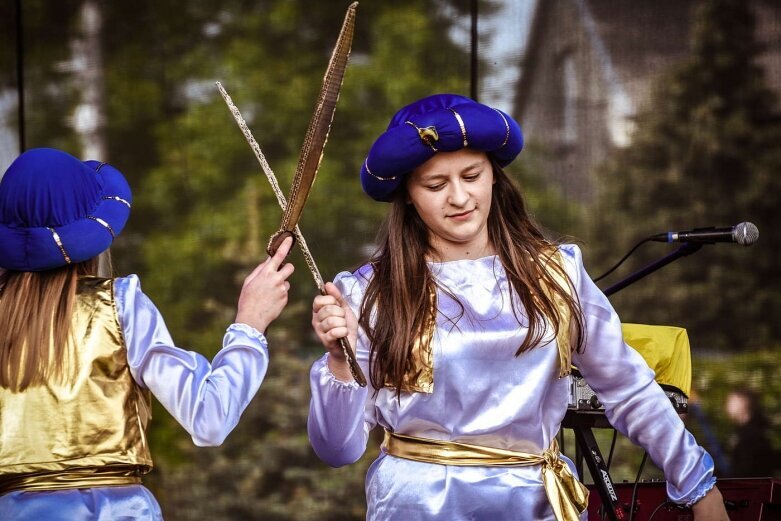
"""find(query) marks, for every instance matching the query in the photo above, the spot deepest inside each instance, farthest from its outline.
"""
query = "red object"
(746, 499)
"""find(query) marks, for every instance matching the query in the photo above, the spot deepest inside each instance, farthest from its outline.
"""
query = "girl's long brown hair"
(402, 284)
(35, 324)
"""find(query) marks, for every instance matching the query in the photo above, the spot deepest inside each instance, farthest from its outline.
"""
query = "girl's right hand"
(333, 319)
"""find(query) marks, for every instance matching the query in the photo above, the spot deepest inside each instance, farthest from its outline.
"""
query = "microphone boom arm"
(686, 249)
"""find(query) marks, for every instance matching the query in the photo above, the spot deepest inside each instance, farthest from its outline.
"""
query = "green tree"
(704, 153)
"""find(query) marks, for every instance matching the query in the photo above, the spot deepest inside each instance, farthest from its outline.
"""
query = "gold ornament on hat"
(427, 134)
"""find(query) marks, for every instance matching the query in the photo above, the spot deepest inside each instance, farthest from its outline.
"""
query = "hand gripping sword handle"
(355, 369)
(349, 354)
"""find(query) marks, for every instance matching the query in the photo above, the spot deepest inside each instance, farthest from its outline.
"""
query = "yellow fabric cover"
(666, 350)
(52, 434)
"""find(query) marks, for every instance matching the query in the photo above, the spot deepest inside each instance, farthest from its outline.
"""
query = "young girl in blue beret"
(81, 354)
(466, 320)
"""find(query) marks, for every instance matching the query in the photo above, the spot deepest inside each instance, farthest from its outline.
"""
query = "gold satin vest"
(90, 430)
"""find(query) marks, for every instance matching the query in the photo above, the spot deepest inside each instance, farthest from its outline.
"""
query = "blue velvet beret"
(57, 210)
(442, 122)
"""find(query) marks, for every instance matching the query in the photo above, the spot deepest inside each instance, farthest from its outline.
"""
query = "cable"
(20, 74)
(474, 60)
(611, 270)
(634, 489)
(663, 503)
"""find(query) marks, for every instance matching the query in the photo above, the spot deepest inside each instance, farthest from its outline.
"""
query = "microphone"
(745, 234)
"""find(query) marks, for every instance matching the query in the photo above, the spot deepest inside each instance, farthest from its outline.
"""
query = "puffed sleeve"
(207, 399)
(634, 403)
(341, 414)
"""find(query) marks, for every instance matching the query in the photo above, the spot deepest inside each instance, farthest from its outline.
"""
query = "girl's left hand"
(710, 507)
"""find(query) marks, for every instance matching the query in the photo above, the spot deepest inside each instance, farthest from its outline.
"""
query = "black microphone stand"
(586, 447)
(684, 250)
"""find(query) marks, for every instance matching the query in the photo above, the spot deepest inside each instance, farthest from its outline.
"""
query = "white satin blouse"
(484, 395)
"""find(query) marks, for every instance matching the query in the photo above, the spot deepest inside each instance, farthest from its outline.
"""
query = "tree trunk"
(90, 115)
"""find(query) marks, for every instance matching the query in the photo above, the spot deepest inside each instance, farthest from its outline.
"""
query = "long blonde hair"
(35, 324)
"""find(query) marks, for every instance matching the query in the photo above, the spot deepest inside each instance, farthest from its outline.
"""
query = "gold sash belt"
(73, 478)
(568, 496)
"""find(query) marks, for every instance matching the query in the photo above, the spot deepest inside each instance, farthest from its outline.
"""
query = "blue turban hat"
(442, 122)
(57, 210)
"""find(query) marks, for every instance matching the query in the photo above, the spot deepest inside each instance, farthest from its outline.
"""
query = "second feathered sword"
(309, 162)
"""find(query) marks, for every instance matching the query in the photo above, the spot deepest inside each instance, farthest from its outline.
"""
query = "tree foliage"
(704, 153)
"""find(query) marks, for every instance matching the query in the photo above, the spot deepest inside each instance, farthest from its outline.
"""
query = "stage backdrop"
(640, 117)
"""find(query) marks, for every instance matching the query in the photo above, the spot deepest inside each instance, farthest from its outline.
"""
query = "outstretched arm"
(634, 403)
(207, 399)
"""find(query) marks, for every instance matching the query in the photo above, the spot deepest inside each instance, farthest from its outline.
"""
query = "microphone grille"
(745, 234)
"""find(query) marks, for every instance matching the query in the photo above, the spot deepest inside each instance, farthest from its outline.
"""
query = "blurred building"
(589, 66)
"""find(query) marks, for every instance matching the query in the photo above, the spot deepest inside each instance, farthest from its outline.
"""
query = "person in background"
(466, 320)
(751, 453)
(80, 354)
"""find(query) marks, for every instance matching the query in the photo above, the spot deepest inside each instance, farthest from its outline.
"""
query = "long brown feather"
(317, 133)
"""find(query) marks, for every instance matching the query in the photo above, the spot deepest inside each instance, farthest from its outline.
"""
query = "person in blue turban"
(80, 354)
(467, 319)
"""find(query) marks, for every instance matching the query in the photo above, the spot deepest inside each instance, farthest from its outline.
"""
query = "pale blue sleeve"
(341, 414)
(207, 399)
(634, 403)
